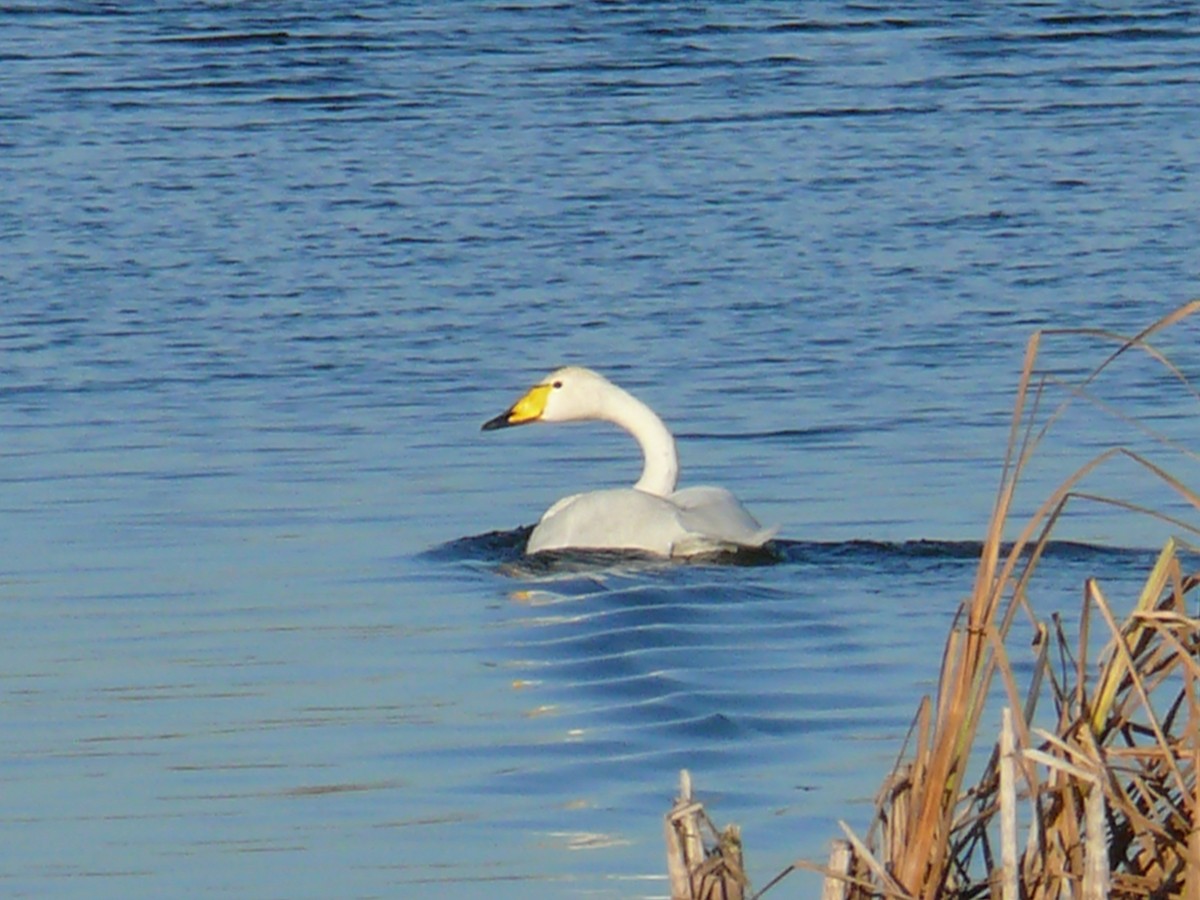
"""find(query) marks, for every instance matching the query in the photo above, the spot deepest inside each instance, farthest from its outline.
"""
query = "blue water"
(264, 271)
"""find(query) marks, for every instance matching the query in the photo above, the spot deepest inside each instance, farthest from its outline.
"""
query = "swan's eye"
(557, 384)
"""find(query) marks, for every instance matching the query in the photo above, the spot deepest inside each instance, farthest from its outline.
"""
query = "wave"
(507, 549)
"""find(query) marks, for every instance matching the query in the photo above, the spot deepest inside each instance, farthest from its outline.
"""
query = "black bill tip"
(501, 421)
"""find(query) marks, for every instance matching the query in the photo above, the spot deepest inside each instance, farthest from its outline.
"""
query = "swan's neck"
(660, 469)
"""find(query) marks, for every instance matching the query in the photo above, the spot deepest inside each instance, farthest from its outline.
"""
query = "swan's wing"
(715, 513)
(692, 521)
(616, 519)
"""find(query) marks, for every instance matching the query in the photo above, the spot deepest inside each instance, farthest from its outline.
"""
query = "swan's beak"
(528, 409)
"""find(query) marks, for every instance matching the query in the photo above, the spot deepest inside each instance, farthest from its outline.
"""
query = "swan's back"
(689, 522)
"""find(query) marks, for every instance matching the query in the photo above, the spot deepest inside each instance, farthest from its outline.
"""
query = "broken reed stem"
(683, 840)
(1095, 872)
(697, 872)
(840, 859)
(1008, 811)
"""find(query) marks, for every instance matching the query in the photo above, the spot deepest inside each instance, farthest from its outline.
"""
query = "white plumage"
(651, 516)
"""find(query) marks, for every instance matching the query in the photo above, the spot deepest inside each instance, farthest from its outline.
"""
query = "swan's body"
(651, 516)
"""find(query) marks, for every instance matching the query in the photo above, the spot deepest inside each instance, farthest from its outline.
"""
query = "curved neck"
(660, 469)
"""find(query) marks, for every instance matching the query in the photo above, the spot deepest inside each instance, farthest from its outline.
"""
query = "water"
(263, 275)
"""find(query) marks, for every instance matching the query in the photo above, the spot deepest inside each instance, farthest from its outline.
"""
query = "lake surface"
(265, 270)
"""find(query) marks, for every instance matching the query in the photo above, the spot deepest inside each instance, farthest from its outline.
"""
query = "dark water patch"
(507, 548)
(491, 546)
(229, 40)
(866, 550)
(81, 10)
(849, 112)
(841, 26)
(821, 435)
(1122, 18)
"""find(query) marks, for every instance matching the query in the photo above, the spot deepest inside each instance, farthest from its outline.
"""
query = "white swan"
(651, 516)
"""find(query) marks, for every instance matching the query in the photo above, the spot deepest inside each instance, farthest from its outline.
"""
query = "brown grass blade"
(1116, 670)
(1126, 658)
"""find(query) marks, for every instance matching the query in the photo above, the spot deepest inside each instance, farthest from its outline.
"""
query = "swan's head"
(570, 394)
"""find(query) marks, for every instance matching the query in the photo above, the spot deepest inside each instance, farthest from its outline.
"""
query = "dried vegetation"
(1090, 790)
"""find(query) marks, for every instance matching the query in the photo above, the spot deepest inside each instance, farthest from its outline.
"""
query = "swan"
(651, 516)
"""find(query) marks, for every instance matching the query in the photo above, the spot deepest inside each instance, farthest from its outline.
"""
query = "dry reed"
(1107, 795)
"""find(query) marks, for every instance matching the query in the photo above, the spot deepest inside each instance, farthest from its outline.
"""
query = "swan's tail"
(699, 544)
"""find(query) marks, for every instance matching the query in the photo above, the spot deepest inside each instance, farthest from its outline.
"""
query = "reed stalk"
(1110, 793)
